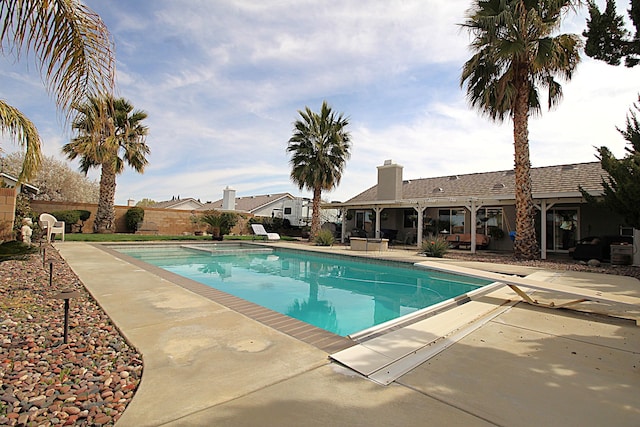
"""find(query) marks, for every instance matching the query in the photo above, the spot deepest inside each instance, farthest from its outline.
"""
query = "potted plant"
(196, 223)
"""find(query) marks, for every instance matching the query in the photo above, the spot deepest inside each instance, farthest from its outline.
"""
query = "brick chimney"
(389, 181)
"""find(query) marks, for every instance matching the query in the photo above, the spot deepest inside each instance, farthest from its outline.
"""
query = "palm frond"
(24, 132)
(71, 43)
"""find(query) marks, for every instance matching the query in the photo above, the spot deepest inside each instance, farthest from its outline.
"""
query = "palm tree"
(109, 134)
(73, 50)
(515, 53)
(320, 148)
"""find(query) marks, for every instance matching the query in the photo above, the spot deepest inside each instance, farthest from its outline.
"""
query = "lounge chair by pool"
(258, 230)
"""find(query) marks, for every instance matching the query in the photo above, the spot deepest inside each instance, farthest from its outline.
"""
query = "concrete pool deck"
(206, 364)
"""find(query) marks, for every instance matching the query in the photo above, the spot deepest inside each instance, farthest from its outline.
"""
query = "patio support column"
(343, 215)
(636, 246)
(543, 207)
(420, 209)
(472, 229)
(378, 211)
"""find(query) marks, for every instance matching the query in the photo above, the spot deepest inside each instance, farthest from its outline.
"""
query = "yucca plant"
(435, 247)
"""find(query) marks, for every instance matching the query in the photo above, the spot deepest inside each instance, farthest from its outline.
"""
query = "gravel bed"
(555, 262)
(44, 382)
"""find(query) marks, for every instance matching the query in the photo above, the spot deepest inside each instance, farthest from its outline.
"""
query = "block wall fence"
(170, 222)
(7, 212)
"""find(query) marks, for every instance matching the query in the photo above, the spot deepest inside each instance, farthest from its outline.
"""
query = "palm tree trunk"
(315, 213)
(106, 214)
(525, 245)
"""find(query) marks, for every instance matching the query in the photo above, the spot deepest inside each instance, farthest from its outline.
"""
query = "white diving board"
(516, 282)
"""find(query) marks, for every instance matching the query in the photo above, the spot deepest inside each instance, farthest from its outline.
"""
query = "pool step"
(385, 358)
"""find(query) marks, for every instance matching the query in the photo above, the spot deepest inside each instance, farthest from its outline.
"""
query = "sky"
(223, 82)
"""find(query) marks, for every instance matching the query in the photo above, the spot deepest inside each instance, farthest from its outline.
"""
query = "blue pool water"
(340, 294)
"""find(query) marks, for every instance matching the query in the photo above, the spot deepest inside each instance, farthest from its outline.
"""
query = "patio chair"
(258, 230)
(51, 225)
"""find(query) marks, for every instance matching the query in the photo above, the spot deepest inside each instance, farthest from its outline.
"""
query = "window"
(363, 220)
(287, 211)
(489, 222)
(410, 218)
(451, 220)
(562, 229)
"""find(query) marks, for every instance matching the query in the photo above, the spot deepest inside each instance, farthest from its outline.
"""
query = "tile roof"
(545, 180)
(172, 204)
(249, 203)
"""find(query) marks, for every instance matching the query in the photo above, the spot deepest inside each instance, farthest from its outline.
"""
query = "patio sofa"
(464, 239)
(597, 247)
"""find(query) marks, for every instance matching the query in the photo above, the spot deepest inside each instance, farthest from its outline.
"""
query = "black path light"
(66, 295)
(50, 261)
(50, 273)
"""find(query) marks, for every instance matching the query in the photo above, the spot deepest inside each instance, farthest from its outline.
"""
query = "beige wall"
(168, 221)
(7, 213)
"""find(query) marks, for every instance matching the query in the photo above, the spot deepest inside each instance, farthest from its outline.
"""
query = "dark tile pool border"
(319, 338)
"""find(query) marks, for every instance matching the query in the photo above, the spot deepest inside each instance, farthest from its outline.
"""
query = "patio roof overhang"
(504, 199)
(492, 200)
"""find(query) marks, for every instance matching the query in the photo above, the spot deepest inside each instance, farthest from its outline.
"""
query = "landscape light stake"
(50, 274)
(44, 255)
(66, 295)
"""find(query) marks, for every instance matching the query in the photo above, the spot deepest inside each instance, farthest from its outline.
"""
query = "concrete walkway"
(205, 364)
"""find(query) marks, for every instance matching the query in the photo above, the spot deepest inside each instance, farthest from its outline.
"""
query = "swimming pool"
(340, 294)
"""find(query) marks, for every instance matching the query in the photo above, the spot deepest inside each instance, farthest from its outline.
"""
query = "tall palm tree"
(73, 50)
(109, 134)
(515, 54)
(319, 150)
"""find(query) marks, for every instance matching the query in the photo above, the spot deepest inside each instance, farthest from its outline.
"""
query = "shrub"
(435, 247)
(84, 215)
(69, 217)
(324, 238)
(133, 217)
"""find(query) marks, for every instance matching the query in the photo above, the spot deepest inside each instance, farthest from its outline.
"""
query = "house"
(9, 181)
(262, 205)
(266, 205)
(293, 210)
(187, 204)
(479, 206)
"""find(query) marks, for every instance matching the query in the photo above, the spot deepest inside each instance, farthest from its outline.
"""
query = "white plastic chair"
(49, 223)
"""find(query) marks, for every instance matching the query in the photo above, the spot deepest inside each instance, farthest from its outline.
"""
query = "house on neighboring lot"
(480, 207)
(187, 204)
(10, 181)
(266, 205)
(278, 205)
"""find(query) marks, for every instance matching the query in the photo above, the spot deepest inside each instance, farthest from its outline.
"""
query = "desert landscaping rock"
(88, 381)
